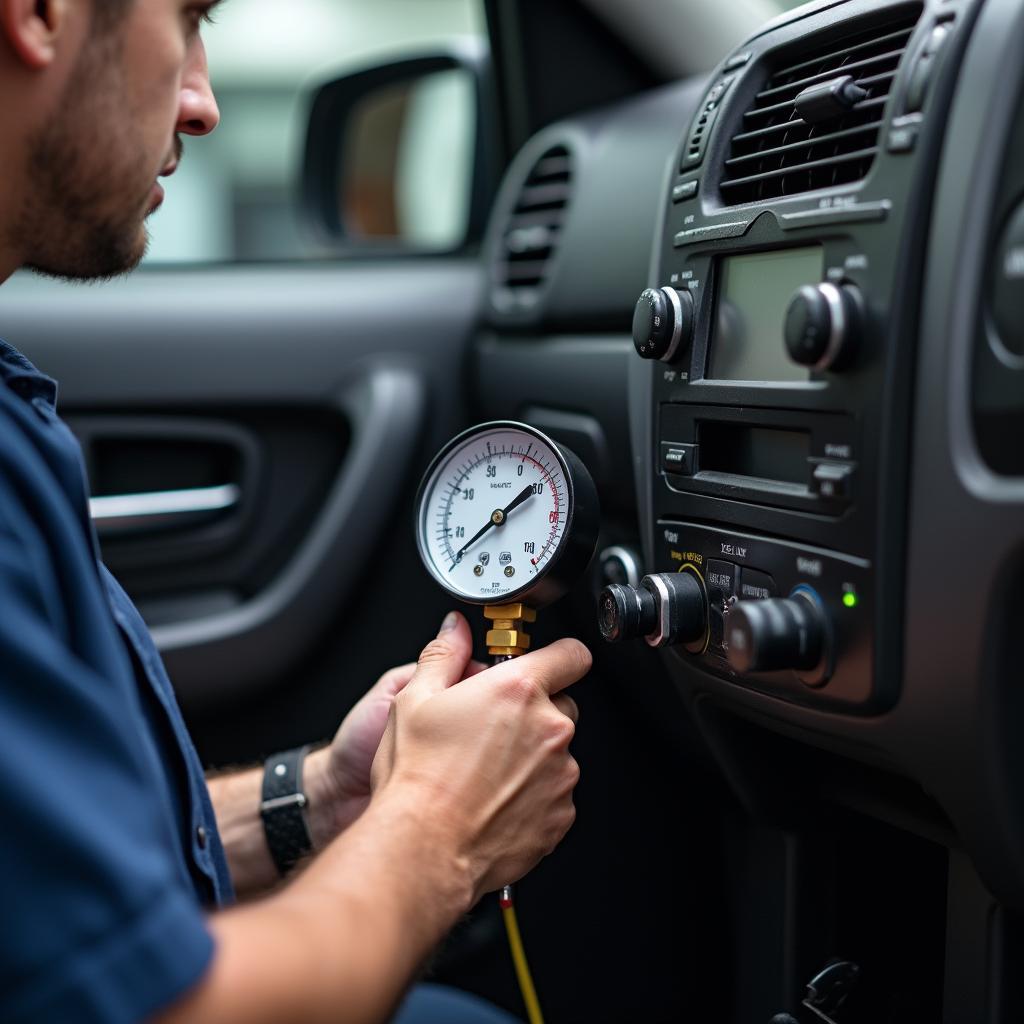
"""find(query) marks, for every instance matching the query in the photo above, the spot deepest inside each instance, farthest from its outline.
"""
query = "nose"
(198, 113)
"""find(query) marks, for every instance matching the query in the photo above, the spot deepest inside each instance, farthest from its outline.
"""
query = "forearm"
(342, 941)
(236, 801)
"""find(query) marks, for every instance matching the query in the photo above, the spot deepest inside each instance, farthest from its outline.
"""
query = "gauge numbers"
(494, 509)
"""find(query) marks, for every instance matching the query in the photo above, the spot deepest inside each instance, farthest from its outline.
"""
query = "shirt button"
(201, 837)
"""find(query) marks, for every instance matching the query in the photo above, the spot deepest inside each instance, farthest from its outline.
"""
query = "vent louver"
(532, 232)
(777, 153)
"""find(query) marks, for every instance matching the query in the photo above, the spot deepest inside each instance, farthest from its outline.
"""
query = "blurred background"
(234, 196)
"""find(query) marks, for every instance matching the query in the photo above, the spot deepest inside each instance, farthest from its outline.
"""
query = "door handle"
(219, 656)
(119, 515)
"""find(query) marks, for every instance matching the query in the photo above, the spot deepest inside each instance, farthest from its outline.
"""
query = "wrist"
(431, 842)
(325, 798)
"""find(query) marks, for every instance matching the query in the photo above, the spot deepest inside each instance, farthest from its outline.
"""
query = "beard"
(90, 180)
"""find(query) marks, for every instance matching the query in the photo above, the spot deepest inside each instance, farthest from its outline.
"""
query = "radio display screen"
(753, 295)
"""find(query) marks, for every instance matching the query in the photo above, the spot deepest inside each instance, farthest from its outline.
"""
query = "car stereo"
(770, 402)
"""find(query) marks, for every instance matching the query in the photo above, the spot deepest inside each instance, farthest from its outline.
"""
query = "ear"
(32, 28)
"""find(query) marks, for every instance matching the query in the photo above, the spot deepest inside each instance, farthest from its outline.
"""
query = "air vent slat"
(777, 153)
(532, 232)
(525, 272)
(835, 57)
(551, 218)
(892, 57)
(535, 197)
(551, 167)
(775, 108)
(805, 144)
(794, 123)
(795, 169)
(882, 78)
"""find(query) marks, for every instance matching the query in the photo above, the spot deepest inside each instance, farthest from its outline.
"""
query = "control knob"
(776, 634)
(662, 323)
(667, 608)
(823, 325)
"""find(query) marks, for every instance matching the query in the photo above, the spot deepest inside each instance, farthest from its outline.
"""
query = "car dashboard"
(818, 252)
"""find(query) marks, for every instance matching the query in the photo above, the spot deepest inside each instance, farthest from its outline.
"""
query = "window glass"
(234, 197)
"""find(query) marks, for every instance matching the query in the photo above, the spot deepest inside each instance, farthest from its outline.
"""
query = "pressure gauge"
(504, 514)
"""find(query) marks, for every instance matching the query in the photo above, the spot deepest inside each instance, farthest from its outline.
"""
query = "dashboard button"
(662, 323)
(756, 585)
(684, 190)
(832, 480)
(679, 458)
(738, 61)
(717, 92)
(903, 139)
(774, 635)
(822, 325)
(721, 580)
(721, 588)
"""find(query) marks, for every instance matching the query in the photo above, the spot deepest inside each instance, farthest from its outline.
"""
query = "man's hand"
(337, 778)
(472, 785)
(489, 755)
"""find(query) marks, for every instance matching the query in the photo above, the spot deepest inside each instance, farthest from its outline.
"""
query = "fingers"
(395, 680)
(567, 706)
(443, 661)
(550, 669)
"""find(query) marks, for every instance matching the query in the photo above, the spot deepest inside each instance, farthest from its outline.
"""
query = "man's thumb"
(443, 661)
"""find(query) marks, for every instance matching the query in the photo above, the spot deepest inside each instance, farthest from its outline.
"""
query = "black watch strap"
(283, 809)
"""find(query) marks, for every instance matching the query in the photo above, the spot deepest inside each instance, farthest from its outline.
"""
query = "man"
(444, 783)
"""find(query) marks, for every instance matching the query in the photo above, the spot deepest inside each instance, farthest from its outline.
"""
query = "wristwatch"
(283, 809)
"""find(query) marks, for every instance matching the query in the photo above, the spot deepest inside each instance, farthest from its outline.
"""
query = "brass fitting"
(506, 636)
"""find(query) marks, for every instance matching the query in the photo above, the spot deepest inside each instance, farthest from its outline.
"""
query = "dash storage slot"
(771, 457)
(766, 453)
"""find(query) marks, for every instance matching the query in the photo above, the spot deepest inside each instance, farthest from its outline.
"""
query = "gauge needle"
(498, 516)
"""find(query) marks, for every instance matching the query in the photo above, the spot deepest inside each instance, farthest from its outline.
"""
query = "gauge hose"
(515, 943)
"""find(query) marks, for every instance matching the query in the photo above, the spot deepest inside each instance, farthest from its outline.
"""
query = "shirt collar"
(23, 378)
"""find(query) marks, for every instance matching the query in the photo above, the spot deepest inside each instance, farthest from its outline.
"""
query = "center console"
(771, 393)
(826, 412)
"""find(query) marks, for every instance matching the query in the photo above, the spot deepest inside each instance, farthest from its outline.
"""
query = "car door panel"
(315, 393)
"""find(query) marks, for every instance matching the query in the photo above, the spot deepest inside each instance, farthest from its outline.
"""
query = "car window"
(234, 197)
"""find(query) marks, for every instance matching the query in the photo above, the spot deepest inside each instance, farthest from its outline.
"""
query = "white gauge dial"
(493, 512)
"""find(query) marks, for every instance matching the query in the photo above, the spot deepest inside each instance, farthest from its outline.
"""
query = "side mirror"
(400, 158)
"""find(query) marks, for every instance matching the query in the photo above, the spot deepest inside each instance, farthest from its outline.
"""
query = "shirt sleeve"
(99, 924)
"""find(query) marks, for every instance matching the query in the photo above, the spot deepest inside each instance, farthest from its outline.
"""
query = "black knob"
(667, 608)
(776, 634)
(662, 323)
(625, 611)
(823, 325)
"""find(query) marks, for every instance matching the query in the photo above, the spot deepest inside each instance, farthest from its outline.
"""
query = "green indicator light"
(850, 599)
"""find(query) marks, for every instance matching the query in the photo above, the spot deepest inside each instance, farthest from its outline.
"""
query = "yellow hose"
(515, 942)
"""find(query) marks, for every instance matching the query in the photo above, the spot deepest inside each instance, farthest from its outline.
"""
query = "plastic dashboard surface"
(934, 738)
(943, 636)
(562, 361)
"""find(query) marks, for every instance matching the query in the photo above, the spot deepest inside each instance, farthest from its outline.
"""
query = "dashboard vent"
(531, 234)
(776, 152)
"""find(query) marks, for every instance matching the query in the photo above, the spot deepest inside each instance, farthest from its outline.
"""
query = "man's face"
(93, 168)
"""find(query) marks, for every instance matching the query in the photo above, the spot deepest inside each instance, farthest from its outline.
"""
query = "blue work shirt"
(109, 849)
